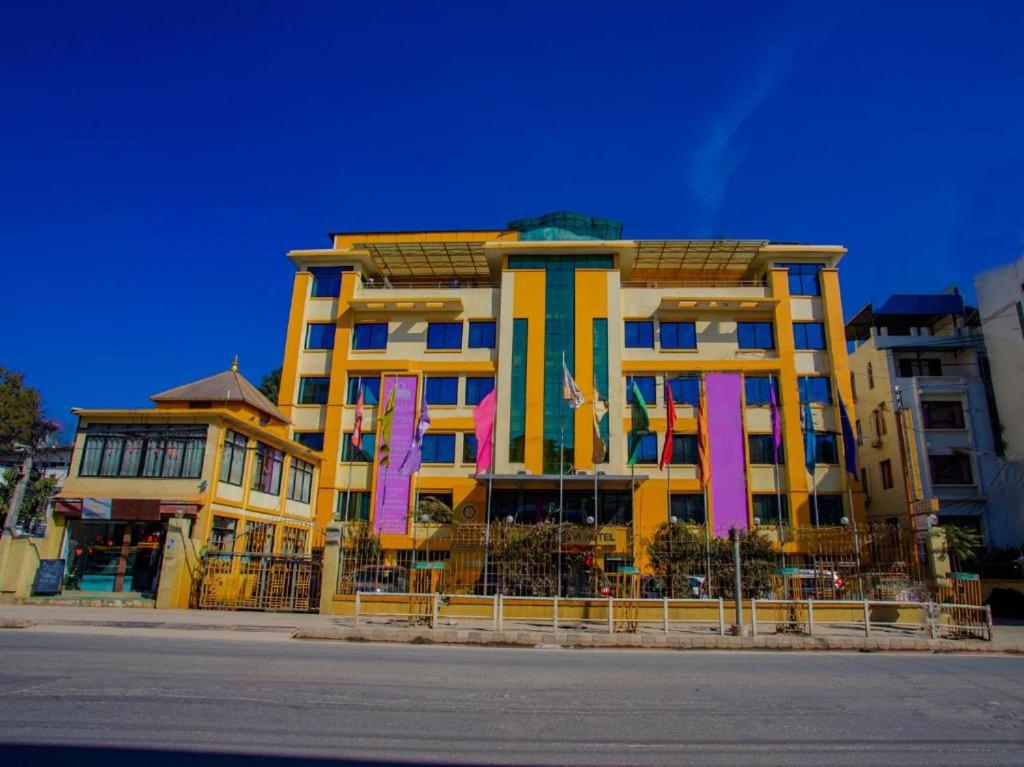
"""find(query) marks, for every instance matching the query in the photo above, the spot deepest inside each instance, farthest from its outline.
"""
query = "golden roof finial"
(234, 365)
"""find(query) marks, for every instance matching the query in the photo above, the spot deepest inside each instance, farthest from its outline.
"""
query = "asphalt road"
(107, 695)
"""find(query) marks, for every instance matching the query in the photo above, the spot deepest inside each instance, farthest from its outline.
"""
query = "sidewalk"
(1008, 639)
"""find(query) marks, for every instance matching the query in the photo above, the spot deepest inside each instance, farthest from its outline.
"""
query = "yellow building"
(459, 312)
(206, 483)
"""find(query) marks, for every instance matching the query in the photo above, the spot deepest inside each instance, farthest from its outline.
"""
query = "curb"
(17, 623)
(577, 641)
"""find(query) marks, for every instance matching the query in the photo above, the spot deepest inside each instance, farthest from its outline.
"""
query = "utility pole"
(11, 522)
(738, 628)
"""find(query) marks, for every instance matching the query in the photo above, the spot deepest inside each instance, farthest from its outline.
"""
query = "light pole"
(11, 522)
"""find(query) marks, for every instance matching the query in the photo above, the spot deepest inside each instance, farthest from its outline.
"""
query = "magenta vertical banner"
(391, 503)
(728, 457)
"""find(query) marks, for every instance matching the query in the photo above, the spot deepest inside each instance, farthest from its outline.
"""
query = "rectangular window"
(313, 390)
(314, 440)
(370, 386)
(266, 473)
(827, 452)
(943, 415)
(259, 538)
(688, 508)
(639, 334)
(762, 450)
(885, 467)
(327, 280)
(354, 506)
(300, 480)
(232, 460)
(517, 417)
(815, 389)
(222, 534)
(648, 452)
(755, 335)
(647, 386)
(444, 335)
(684, 449)
(469, 448)
(804, 279)
(950, 470)
(370, 335)
(878, 418)
(364, 453)
(911, 368)
(320, 335)
(829, 510)
(443, 390)
(293, 541)
(678, 335)
(871, 376)
(438, 448)
(770, 509)
(116, 450)
(757, 390)
(685, 390)
(482, 334)
(809, 335)
(477, 389)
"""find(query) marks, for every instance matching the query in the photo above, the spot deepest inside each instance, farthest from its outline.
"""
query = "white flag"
(570, 391)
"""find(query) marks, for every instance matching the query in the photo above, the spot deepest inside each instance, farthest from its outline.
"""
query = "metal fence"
(236, 581)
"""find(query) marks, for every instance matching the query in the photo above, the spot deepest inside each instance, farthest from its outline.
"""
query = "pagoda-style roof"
(229, 386)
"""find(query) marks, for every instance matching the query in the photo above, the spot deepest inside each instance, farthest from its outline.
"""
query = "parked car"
(810, 583)
(381, 579)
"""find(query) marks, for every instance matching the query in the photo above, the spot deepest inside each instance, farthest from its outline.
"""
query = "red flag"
(703, 444)
(357, 432)
(670, 427)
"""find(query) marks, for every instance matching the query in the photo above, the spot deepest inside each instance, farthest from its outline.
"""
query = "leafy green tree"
(21, 413)
(38, 494)
(270, 386)
(962, 545)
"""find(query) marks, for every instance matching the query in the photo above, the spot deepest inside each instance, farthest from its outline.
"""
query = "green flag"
(641, 422)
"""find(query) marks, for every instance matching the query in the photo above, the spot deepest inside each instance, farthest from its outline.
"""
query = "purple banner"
(391, 504)
(728, 457)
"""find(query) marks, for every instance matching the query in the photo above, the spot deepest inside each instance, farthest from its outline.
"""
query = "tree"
(21, 413)
(38, 494)
(270, 386)
(962, 544)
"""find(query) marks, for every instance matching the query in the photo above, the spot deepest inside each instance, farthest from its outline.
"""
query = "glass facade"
(517, 418)
(688, 508)
(601, 370)
(113, 556)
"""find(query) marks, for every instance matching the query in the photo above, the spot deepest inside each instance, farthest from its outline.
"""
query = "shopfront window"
(113, 556)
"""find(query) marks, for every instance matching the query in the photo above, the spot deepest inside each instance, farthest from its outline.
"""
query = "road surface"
(143, 700)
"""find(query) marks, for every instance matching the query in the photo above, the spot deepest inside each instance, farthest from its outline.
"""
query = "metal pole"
(490, 491)
(561, 487)
(11, 522)
(737, 578)
(778, 491)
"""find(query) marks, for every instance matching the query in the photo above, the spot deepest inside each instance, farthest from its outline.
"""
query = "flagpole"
(704, 486)
(561, 483)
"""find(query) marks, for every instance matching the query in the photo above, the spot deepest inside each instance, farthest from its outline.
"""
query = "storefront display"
(106, 556)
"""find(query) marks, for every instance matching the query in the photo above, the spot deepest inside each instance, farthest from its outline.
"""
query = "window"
(118, 450)
(827, 452)
(755, 335)
(266, 472)
(477, 389)
(684, 449)
(757, 390)
(688, 508)
(354, 506)
(639, 334)
(443, 390)
(829, 510)
(885, 467)
(685, 390)
(444, 335)
(803, 279)
(313, 390)
(878, 419)
(864, 482)
(370, 387)
(363, 453)
(815, 389)
(300, 480)
(517, 416)
(320, 335)
(646, 385)
(370, 335)
(762, 450)
(647, 452)
(232, 460)
(678, 335)
(293, 541)
(481, 334)
(809, 335)
(943, 415)
(259, 538)
(910, 368)
(770, 509)
(853, 386)
(469, 448)
(438, 448)
(222, 534)
(327, 280)
(314, 440)
(871, 376)
(950, 469)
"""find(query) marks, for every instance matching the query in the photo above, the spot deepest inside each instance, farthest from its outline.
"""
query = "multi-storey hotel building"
(457, 313)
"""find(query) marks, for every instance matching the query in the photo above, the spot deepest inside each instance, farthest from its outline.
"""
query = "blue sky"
(159, 159)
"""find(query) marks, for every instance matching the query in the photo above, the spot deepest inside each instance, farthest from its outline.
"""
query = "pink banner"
(391, 504)
(728, 490)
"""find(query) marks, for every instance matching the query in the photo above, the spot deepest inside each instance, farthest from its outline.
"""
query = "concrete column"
(178, 568)
(19, 559)
(331, 567)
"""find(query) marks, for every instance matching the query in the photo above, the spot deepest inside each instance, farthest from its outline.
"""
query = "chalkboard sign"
(49, 576)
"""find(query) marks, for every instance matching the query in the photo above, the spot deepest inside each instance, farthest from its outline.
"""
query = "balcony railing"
(452, 284)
